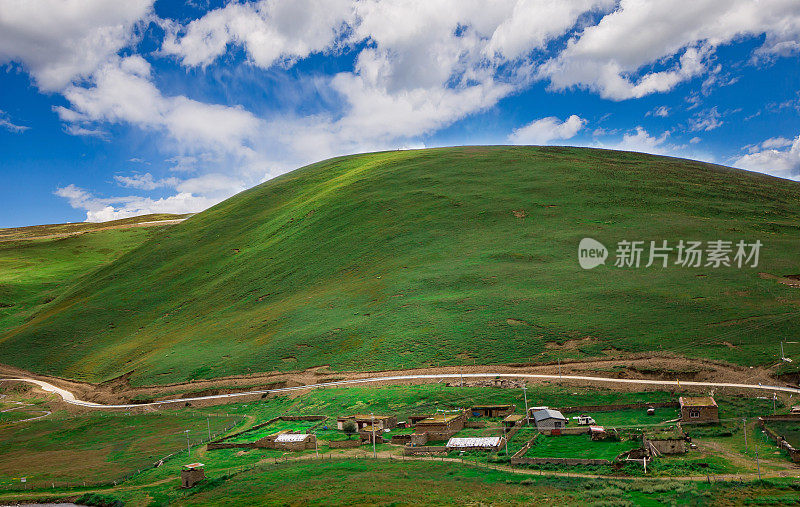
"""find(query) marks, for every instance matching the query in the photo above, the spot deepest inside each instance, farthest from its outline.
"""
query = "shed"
(441, 423)
(698, 409)
(513, 420)
(361, 420)
(191, 474)
(492, 410)
(548, 419)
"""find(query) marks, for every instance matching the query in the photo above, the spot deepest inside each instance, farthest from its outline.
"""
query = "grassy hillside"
(39, 263)
(444, 256)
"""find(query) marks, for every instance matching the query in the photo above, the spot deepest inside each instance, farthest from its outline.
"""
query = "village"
(611, 436)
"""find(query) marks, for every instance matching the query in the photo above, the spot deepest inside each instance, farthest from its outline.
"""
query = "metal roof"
(473, 442)
(547, 413)
(292, 437)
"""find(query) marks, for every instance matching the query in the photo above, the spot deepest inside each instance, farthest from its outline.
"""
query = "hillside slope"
(444, 256)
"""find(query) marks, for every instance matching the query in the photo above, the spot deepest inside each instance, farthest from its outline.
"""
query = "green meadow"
(417, 258)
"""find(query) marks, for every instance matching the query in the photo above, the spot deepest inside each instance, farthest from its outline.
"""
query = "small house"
(191, 474)
(288, 440)
(514, 420)
(492, 410)
(362, 420)
(441, 423)
(698, 409)
(548, 420)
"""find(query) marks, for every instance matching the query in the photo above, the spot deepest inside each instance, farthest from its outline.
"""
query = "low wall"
(223, 445)
(344, 444)
(794, 454)
(559, 461)
(520, 453)
(475, 424)
(621, 406)
(401, 439)
(429, 449)
(580, 430)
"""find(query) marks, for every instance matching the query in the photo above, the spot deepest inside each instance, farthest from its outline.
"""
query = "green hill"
(449, 256)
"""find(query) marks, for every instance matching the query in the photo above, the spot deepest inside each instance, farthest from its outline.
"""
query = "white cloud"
(113, 208)
(145, 181)
(661, 112)
(784, 163)
(6, 123)
(694, 140)
(706, 120)
(122, 92)
(58, 41)
(544, 130)
(272, 32)
(608, 57)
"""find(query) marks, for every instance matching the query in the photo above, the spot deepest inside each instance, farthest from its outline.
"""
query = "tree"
(349, 428)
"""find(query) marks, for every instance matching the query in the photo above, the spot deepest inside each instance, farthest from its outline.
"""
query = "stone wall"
(559, 461)
(615, 407)
(344, 444)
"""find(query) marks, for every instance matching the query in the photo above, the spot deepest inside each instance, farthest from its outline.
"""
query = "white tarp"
(473, 442)
(291, 437)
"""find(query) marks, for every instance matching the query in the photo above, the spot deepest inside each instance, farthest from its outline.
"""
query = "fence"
(794, 454)
(619, 406)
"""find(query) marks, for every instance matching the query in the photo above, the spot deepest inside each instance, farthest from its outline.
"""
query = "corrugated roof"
(473, 442)
(292, 437)
(547, 413)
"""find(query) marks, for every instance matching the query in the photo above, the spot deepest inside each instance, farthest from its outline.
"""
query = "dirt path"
(618, 373)
(70, 398)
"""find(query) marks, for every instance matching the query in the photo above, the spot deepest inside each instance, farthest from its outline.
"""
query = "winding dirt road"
(70, 398)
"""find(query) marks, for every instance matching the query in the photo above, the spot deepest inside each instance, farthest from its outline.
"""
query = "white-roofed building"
(288, 441)
(292, 437)
(486, 443)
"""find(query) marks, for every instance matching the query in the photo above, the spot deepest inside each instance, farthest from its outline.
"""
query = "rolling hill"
(440, 256)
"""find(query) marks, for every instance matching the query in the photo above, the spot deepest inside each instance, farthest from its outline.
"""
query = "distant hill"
(440, 256)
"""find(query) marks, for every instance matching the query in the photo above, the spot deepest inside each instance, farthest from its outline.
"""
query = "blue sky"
(110, 109)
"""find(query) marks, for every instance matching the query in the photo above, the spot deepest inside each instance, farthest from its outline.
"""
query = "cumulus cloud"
(544, 130)
(58, 41)
(661, 112)
(145, 181)
(776, 156)
(113, 208)
(609, 57)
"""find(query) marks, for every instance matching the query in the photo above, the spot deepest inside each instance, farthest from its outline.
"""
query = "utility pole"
(506, 439)
(316, 445)
(744, 425)
(559, 367)
(188, 447)
(374, 452)
(208, 421)
(527, 413)
(758, 465)
(774, 401)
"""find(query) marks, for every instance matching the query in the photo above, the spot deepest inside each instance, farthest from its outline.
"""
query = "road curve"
(70, 398)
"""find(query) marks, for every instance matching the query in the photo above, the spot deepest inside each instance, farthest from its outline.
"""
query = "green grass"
(790, 430)
(578, 446)
(416, 258)
(632, 418)
(34, 272)
(258, 433)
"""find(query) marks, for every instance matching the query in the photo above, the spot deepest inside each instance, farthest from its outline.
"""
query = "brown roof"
(479, 407)
(439, 418)
(697, 401)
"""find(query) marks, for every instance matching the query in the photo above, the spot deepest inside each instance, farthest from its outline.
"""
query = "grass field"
(787, 429)
(440, 256)
(578, 446)
(34, 272)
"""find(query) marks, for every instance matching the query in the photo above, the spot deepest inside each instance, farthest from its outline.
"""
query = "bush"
(96, 499)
